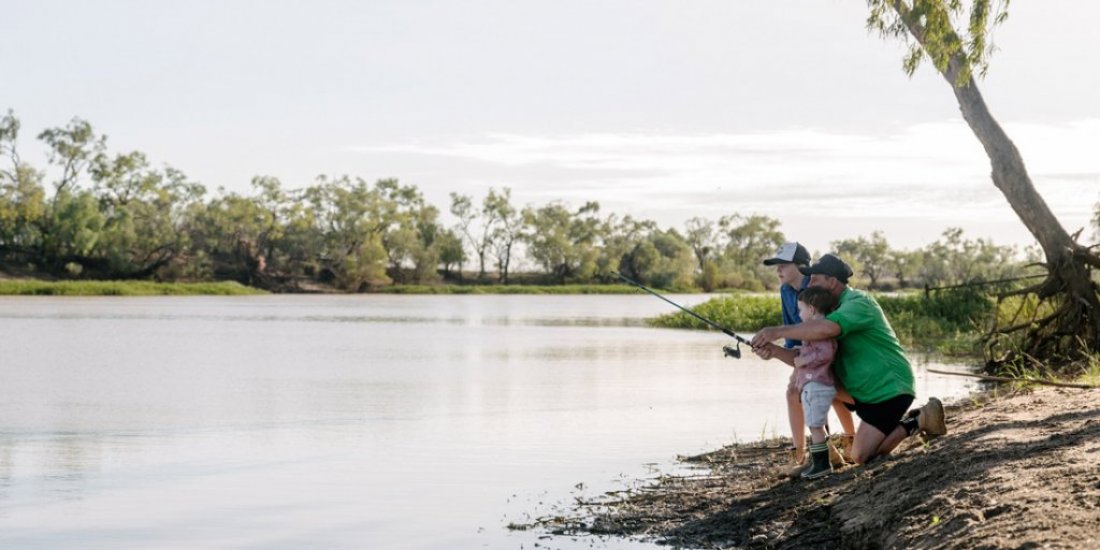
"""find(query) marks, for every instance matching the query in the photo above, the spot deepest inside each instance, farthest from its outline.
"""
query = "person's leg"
(881, 429)
(798, 426)
(816, 400)
(842, 412)
(845, 417)
(892, 440)
(866, 443)
(840, 452)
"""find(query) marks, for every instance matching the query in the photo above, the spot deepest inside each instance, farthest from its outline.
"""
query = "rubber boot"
(819, 462)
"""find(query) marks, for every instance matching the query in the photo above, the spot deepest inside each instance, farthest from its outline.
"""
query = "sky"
(663, 110)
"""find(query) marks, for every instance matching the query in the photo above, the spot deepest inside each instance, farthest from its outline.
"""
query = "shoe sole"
(822, 473)
(934, 423)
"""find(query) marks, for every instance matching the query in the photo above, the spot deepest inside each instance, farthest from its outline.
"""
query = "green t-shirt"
(869, 362)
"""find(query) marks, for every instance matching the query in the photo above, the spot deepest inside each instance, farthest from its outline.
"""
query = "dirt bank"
(1016, 471)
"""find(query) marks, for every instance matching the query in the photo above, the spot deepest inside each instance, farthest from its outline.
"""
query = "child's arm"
(772, 351)
(815, 353)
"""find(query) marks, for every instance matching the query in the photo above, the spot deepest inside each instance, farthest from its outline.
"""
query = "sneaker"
(931, 418)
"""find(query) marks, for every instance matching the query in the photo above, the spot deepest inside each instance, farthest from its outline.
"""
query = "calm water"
(351, 421)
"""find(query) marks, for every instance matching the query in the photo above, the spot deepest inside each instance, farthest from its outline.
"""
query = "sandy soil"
(1016, 471)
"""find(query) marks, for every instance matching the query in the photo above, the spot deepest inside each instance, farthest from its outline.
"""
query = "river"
(425, 422)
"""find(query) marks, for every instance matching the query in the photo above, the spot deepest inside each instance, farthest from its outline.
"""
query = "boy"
(787, 261)
(813, 377)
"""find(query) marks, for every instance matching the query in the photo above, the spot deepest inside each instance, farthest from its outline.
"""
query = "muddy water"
(351, 422)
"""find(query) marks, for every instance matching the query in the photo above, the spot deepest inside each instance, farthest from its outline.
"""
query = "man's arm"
(816, 329)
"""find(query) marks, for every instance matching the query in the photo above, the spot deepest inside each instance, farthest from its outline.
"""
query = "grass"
(948, 323)
(506, 289)
(745, 312)
(22, 287)
(1091, 372)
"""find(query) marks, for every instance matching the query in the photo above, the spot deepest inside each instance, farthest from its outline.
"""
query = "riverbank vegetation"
(945, 322)
(28, 287)
(507, 289)
(94, 214)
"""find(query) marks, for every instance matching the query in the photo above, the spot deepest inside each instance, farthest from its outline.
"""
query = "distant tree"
(71, 149)
(869, 256)
(701, 237)
(662, 259)
(953, 259)
(480, 238)
(507, 229)
(931, 27)
(748, 240)
(451, 251)
(618, 237)
(904, 265)
(562, 241)
(351, 219)
(22, 196)
(1096, 223)
(144, 225)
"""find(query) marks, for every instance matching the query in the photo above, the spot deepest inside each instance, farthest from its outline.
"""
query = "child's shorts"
(817, 399)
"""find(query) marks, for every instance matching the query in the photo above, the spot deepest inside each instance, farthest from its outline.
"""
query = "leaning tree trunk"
(1074, 324)
(1069, 325)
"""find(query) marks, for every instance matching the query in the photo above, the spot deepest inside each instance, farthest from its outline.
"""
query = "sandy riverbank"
(1017, 470)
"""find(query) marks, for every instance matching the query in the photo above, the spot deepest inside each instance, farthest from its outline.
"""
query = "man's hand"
(764, 336)
(765, 352)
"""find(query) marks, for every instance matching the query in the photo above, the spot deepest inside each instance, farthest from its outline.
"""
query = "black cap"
(790, 253)
(829, 265)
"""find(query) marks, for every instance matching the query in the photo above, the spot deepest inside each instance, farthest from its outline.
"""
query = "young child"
(814, 379)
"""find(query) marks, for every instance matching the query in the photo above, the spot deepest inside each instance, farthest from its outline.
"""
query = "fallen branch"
(1008, 379)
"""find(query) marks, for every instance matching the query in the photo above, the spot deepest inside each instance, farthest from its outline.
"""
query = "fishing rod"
(728, 351)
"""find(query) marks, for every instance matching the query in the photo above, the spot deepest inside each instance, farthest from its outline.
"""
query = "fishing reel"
(732, 351)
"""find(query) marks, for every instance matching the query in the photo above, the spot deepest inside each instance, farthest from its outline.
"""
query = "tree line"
(95, 214)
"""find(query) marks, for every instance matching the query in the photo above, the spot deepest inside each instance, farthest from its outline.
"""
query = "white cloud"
(933, 172)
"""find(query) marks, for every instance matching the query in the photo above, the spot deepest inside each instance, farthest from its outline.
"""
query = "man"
(788, 260)
(870, 363)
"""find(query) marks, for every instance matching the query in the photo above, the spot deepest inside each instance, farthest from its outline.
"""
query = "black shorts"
(884, 415)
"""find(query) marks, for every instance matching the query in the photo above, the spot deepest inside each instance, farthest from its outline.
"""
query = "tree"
(953, 259)
(869, 257)
(462, 206)
(904, 265)
(143, 227)
(71, 149)
(930, 27)
(507, 231)
(1096, 223)
(561, 241)
(700, 236)
(22, 196)
(411, 231)
(663, 259)
(351, 218)
(451, 251)
(618, 238)
(748, 240)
